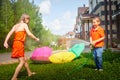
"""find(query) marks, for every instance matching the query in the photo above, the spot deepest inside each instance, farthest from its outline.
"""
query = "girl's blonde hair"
(24, 16)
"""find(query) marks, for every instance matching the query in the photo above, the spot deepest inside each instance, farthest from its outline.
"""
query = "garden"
(81, 68)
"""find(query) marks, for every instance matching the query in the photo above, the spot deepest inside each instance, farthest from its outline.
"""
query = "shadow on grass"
(40, 62)
(90, 66)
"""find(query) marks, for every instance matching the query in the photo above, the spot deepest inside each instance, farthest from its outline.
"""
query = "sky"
(59, 16)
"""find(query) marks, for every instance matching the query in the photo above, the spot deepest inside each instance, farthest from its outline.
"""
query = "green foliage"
(58, 48)
(6, 19)
(111, 56)
(60, 71)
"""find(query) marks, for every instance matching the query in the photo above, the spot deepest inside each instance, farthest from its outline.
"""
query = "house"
(83, 23)
(79, 28)
(108, 11)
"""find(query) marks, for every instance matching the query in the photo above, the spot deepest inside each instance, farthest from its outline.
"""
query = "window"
(91, 3)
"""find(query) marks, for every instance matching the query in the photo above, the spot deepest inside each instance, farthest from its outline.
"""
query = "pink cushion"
(41, 54)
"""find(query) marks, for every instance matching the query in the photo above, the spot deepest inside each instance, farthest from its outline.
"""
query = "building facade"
(116, 17)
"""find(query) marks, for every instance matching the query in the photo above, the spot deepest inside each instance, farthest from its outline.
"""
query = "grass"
(52, 71)
(4, 50)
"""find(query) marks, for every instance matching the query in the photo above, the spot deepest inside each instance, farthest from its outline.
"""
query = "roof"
(88, 16)
(82, 10)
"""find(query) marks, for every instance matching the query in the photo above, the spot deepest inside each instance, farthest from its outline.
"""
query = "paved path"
(6, 57)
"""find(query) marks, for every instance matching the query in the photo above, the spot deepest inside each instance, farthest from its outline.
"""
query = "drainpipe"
(88, 30)
(106, 24)
(110, 19)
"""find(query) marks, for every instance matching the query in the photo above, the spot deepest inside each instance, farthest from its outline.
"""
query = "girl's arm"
(30, 34)
(8, 36)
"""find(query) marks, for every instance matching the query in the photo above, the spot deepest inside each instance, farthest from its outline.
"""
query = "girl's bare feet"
(14, 79)
(32, 73)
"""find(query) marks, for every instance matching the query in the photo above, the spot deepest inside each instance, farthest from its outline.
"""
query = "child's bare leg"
(19, 67)
(27, 68)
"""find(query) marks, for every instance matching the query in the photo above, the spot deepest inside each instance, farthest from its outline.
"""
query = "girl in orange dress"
(18, 44)
(20, 30)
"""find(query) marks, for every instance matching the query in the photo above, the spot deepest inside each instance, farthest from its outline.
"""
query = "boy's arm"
(101, 33)
(100, 39)
(8, 36)
(90, 40)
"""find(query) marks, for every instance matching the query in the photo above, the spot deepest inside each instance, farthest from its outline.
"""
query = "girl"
(20, 29)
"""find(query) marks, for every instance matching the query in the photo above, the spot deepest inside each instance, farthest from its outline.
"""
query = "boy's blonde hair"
(24, 16)
(97, 19)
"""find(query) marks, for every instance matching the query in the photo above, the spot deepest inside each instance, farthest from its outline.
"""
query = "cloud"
(45, 6)
(63, 24)
(67, 15)
(55, 25)
(60, 25)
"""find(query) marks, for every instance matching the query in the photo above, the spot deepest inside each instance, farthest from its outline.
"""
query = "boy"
(97, 37)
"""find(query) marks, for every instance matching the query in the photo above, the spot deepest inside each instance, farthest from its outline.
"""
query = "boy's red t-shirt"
(97, 34)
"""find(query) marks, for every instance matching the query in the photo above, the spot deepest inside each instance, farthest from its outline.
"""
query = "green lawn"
(69, 71)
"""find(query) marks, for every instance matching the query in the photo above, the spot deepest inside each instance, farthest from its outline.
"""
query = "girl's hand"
(6, 45)
(37, 39)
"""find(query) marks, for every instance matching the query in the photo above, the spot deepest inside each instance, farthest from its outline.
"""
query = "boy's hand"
(91, 46)
(93, 43)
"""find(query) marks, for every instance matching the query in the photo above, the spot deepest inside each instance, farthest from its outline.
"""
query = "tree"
(35, 25)
(6, 19)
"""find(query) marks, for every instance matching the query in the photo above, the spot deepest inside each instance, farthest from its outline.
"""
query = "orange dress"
(18, 44)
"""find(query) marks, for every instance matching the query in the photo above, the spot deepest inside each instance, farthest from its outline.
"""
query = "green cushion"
(77, 49)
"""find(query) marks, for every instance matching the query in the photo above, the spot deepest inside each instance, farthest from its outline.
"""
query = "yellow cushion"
(62, 57)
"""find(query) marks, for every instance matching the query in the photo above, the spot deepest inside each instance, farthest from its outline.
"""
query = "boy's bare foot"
(32, 73)
(100, 69)
(96, 69)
